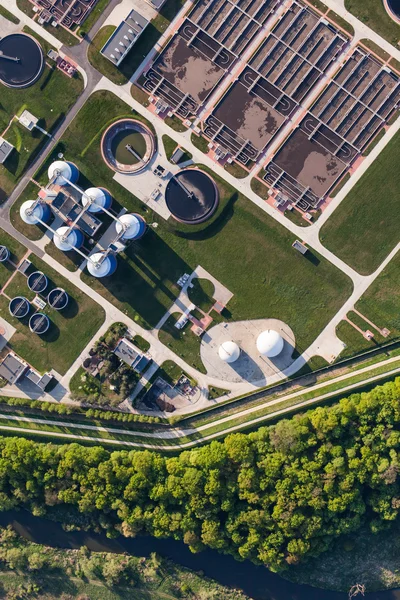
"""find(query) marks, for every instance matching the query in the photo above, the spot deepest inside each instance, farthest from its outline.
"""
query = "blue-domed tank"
(102, 265)
(33, 212)
(67, 239)
(97, 198)
(62, 172)
(132, 226)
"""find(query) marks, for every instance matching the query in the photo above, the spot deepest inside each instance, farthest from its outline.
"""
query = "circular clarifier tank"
(132, 226)
(101, 265)
(192, 196)
(19, 307)
(97, 199)
(37, 282)
(39, 323)
(58, 298)
(128, 146)
(33, 212)
(66, 238)
(21, 60)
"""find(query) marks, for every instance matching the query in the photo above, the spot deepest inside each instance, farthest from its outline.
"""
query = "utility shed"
(5, 150)
(12, 368)
(124, 37)
(127, 352)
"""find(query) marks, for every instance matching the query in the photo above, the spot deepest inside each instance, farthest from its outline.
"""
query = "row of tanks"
(269, 344)
(129, 226)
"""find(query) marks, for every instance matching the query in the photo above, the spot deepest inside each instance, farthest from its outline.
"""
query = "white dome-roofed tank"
(270, 343)
(32, 212)
(67, 239)
(229, 352)
(97, 198)
(132, 225)
(62, 172)
(100, 265)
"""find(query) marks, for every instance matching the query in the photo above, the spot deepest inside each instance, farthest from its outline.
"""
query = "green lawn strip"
(341, 22)
(362, 231)
(141, 343)
(17, 250)
(32, 232)
(374, 15)
(140, 95)
(169, 145)
(70, 331)
(255, 259)
(100, 62)
(377, 49)
(355, 342)
(49, 99)
(296, 217)
(176, 124)
(201, 143)
(182, 341)
(70, 260)
(215, 392)
(94, 14)
(395, 64)
(259, 188)
(320, 5)
(8, 15)
(236, 170)
(374, 142)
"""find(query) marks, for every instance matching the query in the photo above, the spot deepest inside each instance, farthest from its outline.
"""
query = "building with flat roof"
(156, 4)
(13, 368)
(68, 208)
(42, 381)
(131, 355)
(28, 120)
(5, 150)
(124, 37)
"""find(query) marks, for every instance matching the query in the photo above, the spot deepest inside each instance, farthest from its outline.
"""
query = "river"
(256, 582)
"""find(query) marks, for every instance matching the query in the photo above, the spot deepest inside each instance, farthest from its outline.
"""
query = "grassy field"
(243, 247)
(99, 62)
(49, 99)
(259, 188)
(201, 294)
(182, 341)
(70, 330)
(8, 15)
(365, 226)
(236, 170)
(17, 251)
(373, 14)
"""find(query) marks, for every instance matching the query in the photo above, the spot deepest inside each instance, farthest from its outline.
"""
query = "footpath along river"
(256, 582)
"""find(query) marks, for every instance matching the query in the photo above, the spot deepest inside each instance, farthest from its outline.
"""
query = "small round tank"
(270, 343)
(67, 239)
(58, 298)
(97, 198)
(39, 323)
(37, 282)
(101, 265)
(229, 352)
(32, 212)
(62, 172)
(132, 225)
(4, 254)
(19, 307)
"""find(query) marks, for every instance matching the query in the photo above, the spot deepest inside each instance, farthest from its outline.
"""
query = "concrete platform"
(251, 366)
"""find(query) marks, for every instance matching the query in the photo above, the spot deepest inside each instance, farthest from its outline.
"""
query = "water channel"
(256, 582)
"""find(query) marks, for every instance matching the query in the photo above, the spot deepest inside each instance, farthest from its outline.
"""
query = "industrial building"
(80, 210)
(5, 150)
(124, 37)
(13, 369)
(128, 353)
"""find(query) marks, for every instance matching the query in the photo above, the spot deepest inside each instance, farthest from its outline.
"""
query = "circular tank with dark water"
(191, 196)
(39, 323)
(19, 307)
(128, 146)
(21, 60)
(394, 8)
(4, 253)
(58, 298)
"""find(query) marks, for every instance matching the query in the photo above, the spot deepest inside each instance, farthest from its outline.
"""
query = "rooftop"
(12, 368)
(5, 150)
(127, 352)
(124, 37)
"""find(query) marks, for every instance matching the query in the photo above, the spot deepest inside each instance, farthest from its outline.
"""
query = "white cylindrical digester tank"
(229, 352)
(97, 198)
(33, 212)
(62, 172)
(270, 343)
(67, 239)
(100, 265)
(131, 225)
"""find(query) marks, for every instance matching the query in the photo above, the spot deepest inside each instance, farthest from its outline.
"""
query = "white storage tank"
(102, 265)
(132, 225)
(67, 239)
(97, 198)
(270, 343)
(62, 172)
(33, 212)
(229, 352)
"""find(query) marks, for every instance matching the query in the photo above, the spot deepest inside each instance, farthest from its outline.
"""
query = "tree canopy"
(275, 496)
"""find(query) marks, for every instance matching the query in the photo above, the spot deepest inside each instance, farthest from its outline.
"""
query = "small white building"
(5, 150)
(28, 120)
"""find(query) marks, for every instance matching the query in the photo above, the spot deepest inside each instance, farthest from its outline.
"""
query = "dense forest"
(275, 496)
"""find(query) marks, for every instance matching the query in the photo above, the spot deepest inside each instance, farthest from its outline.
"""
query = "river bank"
(257, 582)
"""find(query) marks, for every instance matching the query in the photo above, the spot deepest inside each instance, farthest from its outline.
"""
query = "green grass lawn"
(49, 99)
(100, 62)
(32, 232)
(365, 226)
(201, 294)
(17, 252)
(259, 188)
(182, 341)
(70, 330)
(176, 124)
(241, 246)
(8, 15)
(236, 170)
(373, 14)
(200, 142)
(170, 146)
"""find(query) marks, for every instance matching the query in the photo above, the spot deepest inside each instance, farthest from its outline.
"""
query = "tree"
(113, 570)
